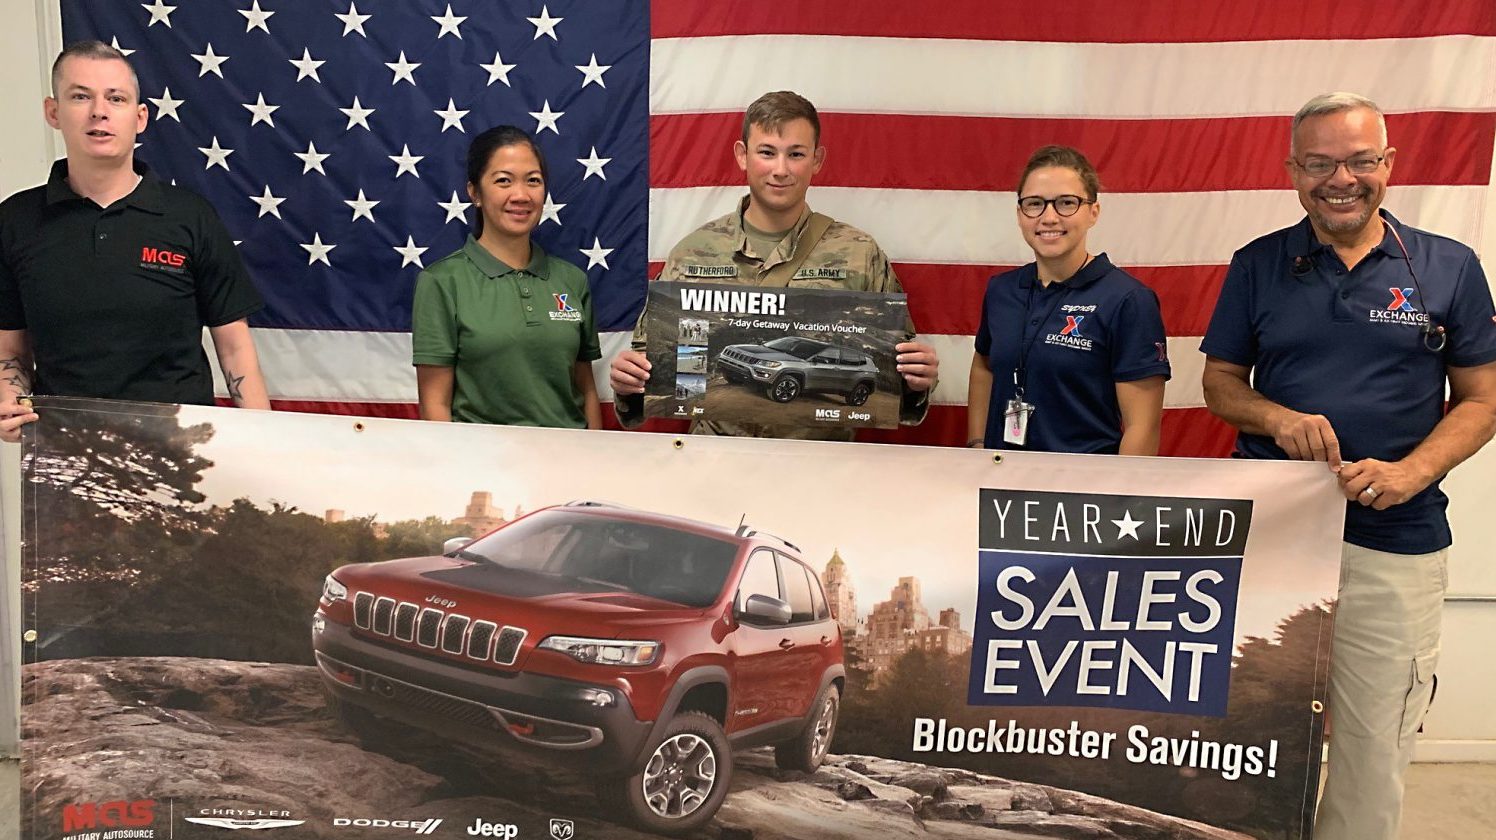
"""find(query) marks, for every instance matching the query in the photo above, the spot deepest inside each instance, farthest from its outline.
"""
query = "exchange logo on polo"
(1070, 334)
(564, 311)
(1087, 599)
(1399, 310)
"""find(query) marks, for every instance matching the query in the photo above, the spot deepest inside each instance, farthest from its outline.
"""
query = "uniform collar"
(1303, 242)
(1090, 273)
(495, 267)
(146, 196)
(787, 246)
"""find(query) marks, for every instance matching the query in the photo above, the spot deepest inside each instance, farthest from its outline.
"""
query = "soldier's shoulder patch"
(689, 270)
(821, 274)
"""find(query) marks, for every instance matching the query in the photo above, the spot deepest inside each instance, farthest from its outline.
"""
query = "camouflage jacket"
(719, 252)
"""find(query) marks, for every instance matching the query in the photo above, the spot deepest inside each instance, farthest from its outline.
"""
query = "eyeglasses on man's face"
(1033, 206)
(1323, 167)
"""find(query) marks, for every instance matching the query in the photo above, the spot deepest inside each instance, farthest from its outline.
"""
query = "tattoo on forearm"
(14, 372)
(234, 382)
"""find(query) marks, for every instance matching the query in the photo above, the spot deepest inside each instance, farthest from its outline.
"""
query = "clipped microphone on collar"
(1302, 264)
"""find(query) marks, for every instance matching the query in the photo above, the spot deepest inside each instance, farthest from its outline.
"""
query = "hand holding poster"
(1138, 651)
(774, 356)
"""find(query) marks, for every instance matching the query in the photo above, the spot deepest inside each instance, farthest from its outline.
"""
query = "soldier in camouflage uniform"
(764, 242)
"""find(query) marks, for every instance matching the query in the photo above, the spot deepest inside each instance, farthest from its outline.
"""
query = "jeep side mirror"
(764, 609)
(455, 543)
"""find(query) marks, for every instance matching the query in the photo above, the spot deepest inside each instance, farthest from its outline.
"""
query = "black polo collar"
(147, 195)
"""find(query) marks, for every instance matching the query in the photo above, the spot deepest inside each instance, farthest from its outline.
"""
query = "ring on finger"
(1371, 492)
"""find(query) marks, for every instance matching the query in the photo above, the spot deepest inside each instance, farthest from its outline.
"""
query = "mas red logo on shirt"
(162, 258)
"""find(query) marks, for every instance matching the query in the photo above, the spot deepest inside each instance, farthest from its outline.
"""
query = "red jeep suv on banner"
(633, 646)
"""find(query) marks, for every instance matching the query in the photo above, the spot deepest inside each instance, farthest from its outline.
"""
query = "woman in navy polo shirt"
(502, 332)
(1071, 354)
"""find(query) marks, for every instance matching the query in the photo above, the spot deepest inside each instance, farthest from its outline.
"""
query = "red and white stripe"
(929, 113)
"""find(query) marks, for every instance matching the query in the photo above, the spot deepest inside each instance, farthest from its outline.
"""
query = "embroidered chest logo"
(1070, 334)
(564, 311)
(162, 259)
(1400, 309)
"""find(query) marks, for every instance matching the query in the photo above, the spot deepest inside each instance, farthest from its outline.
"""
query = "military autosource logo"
(563, 830)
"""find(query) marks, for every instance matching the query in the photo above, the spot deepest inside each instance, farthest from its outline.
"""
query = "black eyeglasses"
(1323, 167)
(1033, 206)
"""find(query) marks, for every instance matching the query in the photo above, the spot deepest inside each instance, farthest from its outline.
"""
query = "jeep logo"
(486, 829)
(440, 601)
(828, 414)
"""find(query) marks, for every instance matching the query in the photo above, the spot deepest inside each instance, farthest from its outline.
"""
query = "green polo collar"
(494, 267)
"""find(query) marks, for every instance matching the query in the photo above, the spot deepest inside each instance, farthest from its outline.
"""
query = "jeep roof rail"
(745, 531)
(594, 503)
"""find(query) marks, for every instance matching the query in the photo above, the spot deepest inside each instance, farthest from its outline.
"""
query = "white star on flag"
(361, 207)
(353, 21)
(210, 63)
(406, 162)
(592, 72)
(546, 118)
(307, 66)
(268, 204)
(403, 69)
(114, 42)
(357, 115)
(217, 155)
(160, 13)
(1127, 525)
(312, 159)
(411, 252)
(594, 165)
(317, 250)
(597, 254)
(166, 106)
(449, 23)
(261, 112)
(498, 71)
(256, 17)
(551, 212)
(544, 25)
(451, 117)
(456, 208)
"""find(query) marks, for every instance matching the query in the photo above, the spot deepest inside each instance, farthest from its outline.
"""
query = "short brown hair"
(772, 110)
(1068, 158)
(97, 50)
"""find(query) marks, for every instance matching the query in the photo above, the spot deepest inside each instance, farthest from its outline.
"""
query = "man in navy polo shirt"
(107, 275)
(1332, 341)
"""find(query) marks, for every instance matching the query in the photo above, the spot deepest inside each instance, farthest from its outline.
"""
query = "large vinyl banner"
(298, 626)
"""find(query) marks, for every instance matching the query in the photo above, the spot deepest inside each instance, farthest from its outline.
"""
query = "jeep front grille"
(429, 627)
(507, 649)
(405, 621)
(454, 632)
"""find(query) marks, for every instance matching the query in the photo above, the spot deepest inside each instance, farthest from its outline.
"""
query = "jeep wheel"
(808, 749)
(860, 394)
(683, 780)
(784, 389)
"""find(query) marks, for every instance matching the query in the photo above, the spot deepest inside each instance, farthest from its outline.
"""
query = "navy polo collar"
(1303, 242)
(1094, 270)
(147, 195)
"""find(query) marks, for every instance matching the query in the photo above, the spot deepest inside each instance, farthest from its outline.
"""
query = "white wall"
(1461, 726)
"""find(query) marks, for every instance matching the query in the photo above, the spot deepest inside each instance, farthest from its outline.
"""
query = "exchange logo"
(561, 302)
(1072, 325)
(564, 311)
(1400, 302)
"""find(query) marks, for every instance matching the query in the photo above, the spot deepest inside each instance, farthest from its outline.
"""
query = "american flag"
(312, 124)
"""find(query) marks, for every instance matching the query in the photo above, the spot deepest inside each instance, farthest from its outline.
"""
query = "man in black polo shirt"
(107, 275)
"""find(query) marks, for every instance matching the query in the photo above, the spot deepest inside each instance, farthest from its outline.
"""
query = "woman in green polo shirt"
(503, 331)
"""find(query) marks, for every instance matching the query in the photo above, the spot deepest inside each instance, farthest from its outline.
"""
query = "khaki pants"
(1381, 681)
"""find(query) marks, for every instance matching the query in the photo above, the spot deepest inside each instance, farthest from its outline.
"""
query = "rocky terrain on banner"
(214, 733)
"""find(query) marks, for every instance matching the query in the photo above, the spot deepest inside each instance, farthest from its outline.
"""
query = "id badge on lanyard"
(1016, 420)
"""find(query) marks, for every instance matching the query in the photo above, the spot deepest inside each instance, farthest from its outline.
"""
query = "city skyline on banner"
(927, 120)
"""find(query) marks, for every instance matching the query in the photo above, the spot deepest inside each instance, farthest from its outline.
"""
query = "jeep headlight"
(604, 651)
(770, 364)
(332, 590)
